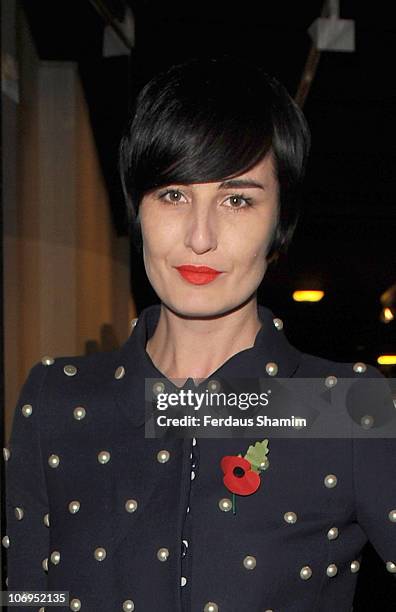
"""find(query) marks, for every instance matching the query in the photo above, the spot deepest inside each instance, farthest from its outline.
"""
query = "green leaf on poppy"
(257, 455)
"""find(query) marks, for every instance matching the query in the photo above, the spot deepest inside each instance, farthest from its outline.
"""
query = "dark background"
(345, 240)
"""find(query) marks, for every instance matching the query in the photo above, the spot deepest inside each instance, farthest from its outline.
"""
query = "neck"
(214, 341)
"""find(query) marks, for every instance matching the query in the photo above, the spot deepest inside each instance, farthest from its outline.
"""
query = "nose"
(201, 228)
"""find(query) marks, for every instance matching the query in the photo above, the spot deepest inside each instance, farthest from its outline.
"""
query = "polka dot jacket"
(123, 522)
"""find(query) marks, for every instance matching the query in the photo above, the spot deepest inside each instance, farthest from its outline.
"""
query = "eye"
(171, 196)
(235, 201)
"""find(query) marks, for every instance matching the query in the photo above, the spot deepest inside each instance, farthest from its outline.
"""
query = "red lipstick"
(198, 275)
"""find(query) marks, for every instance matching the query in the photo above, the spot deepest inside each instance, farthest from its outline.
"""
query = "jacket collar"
(270, 347)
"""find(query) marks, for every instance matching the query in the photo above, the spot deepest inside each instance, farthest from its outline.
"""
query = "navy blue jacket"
(123, 522)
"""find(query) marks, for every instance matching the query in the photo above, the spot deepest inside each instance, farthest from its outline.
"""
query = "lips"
(198, 275)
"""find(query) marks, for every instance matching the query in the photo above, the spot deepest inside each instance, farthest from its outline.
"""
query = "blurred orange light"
(388, 314)
(307, 296)
(386, 359)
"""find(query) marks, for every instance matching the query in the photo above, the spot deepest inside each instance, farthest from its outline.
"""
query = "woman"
(211, 164)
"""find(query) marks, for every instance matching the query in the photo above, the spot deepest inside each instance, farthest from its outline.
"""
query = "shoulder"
(56, 381)
(68, 367)
(313, 365)
(60, 392)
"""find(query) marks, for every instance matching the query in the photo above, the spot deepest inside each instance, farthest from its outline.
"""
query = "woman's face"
(226, 226)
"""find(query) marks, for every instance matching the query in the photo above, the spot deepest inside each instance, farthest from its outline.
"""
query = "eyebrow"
(240, 183)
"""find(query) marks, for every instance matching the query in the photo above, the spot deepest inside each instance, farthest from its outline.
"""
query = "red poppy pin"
(242, 474)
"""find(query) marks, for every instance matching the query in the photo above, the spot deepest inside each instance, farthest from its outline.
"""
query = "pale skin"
(201, 326)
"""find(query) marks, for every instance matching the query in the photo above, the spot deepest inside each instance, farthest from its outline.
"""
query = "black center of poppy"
(238, 472)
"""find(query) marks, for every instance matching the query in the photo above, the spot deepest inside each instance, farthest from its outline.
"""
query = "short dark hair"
(209, 119)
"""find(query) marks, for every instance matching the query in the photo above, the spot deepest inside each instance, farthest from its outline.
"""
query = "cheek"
(159, 238)
(258, 260)
(252, 247)
(250, 251)
(152, 230)
(261, 240)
